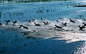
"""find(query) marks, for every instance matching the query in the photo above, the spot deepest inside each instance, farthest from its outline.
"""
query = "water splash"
(71, 32)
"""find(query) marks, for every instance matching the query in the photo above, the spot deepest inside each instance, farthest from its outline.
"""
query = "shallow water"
(44, 39)
(37, 10)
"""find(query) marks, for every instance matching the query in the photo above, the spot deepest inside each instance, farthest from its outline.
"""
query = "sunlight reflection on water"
(53, 41)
